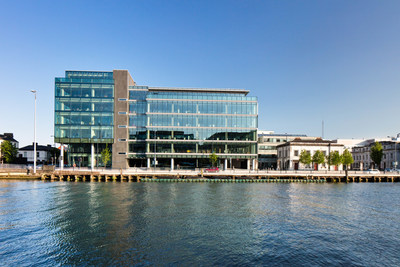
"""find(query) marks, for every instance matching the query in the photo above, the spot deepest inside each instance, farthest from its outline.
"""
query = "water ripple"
(143, 224)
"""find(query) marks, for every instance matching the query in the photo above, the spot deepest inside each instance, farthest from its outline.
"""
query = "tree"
(8, 151)
(318, 157)
(105, 156)
(347, 158)
(376, 153)
(336, 159)
(213, 159)
(305, 157)
(333, 159)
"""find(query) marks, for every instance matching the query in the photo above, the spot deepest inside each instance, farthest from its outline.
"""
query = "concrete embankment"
(196, 176)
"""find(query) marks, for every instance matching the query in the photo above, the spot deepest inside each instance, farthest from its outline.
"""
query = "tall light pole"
(34, 136)
(395, 151)
(155, 150)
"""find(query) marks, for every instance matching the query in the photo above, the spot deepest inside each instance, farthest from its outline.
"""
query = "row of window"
(201, 107)
(267, 147)
(367, 156)
(67, 118)
(104, 132)
(79, 105)
(89, 74)
(274, 140)
(79, 90)
(296, 153)
(84, 80)
(192, 148)
(193, 134)
(194, 121)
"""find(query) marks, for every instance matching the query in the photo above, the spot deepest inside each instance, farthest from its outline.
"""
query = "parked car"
(372, 171)
(212, 169)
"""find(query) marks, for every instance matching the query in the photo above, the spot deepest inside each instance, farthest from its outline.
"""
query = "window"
(24, 154)
(296, 153)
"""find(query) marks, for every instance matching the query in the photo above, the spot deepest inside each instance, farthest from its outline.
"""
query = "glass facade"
(163, 127)
(190, 126)
(84, 113)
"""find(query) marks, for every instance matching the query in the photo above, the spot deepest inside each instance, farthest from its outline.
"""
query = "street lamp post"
(34, 136)
(155, 149)
(395, 154)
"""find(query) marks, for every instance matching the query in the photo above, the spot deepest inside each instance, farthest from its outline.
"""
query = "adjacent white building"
(289, 153)
(267, 147)
(43, 154)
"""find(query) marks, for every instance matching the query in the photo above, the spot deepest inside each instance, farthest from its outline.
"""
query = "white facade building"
(289, 153)
(267, 146)
(43, 153)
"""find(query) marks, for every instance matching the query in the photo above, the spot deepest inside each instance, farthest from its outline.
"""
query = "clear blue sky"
(307, 61)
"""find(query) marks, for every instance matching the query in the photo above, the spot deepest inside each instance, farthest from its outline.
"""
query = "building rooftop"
(316, 141)
(200, 90)
(8, 137)
(283, 135)
(38, 148)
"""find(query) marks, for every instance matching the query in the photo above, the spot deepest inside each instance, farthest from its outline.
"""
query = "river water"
(181, 224)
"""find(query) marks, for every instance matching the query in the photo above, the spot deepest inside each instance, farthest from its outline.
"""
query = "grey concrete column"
(62, 157)
(92, 157)
(248, 164)
(253, 164)
(226, 164)
(172, 164)
(148, 162)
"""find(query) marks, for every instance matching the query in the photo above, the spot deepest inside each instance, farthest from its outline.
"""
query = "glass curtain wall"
(188, 126)
(84, 114)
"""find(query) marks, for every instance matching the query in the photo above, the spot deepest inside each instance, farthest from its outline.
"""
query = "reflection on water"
(66, 223)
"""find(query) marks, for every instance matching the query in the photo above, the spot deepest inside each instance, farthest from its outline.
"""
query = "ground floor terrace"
(184, 162)
(164, 155)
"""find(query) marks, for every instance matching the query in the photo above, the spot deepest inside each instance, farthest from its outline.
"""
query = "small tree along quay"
(105, 156)
(8, 152)
(347, 158)
(213, 159)
(305, 157)
(336, 159)
(376, 153)
(318, 157)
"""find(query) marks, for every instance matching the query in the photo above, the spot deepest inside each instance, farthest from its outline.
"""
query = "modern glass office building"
(153, 126)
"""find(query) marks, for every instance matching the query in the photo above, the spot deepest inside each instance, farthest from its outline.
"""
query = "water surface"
(77, 223)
